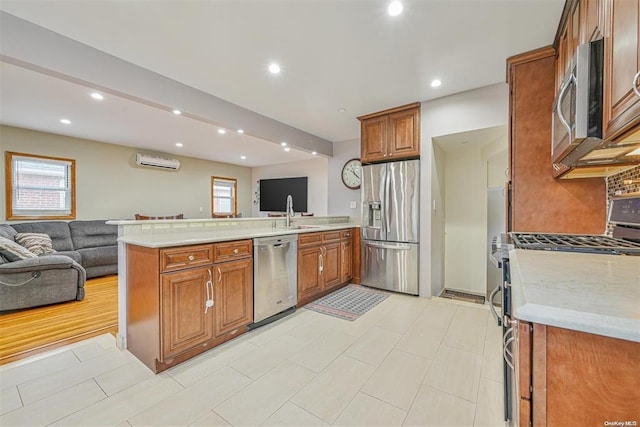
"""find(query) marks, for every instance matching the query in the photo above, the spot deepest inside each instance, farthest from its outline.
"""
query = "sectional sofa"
(84, 249)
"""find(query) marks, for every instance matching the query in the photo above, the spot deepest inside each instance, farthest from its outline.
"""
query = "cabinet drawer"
(185, 257)
(331, 236)
(346, 234)
(309, 239)
(228, 251)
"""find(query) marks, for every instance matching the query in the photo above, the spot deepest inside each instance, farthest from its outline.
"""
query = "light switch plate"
(353, 204)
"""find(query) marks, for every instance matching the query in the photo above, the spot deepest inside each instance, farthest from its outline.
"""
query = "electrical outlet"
(201, 209)
(353, 204)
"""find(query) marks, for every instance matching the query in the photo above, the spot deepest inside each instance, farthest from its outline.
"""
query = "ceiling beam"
(31, 46)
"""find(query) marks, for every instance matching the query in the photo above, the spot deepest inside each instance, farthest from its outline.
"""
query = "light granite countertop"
(191, 236)
(592, 293)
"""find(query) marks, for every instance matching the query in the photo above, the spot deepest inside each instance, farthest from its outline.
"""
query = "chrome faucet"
(289, 210)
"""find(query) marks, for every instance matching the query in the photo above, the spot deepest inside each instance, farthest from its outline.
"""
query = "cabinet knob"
(191, 257)
(235, 251)
(634, 84)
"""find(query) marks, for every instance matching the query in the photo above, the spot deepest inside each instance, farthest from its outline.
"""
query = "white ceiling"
(334, 54)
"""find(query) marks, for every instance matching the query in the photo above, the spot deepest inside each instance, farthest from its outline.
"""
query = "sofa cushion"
(74, 255)
(38, 243)
(7, 231)
(13, 251)
(93, 234)
(106, 255)
(57, 230)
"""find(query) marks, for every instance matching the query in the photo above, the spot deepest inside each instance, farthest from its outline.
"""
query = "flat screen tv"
(274, 192)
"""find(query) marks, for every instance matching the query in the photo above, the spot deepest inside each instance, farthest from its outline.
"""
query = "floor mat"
(348, 303)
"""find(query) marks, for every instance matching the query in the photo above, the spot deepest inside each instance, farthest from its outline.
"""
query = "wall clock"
(352, 174)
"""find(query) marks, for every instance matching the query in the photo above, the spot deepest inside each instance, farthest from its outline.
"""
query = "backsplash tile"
(617, 187)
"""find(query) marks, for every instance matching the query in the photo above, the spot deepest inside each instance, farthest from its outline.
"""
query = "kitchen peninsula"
(185, 286)
(576, 336)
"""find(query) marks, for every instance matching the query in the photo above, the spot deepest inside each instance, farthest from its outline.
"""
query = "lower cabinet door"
(332, 271)
(233, 284)
(186, 321)
(309, 272)
(346, 261)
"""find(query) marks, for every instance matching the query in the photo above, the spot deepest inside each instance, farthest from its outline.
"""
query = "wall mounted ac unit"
(157, 161)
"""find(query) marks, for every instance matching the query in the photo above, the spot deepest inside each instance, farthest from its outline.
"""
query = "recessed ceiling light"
(436, 82)
(179, 144)
(342, 110)
(314, 153)
(222, 131)
(243, 157)
(177, 112)
(65, 121)
(395, 8)
(97, 96)
(287, 149)
(240, 130)
(284, 144)
(274, 68)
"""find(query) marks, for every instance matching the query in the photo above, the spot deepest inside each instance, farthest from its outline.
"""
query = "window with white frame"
(223, 196)
(40, 187)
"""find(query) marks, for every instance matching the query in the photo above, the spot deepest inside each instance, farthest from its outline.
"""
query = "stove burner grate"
(575, 243)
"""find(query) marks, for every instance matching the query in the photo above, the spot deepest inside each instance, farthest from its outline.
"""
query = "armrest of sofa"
(46, 262)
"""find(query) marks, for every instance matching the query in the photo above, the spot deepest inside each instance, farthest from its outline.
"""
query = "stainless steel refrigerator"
(390, 226)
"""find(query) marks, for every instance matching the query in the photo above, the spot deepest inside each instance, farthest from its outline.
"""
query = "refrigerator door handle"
(385, 206)
(370, 228)
(394, 247)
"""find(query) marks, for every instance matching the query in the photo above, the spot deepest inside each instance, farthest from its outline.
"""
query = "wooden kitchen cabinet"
(185, 322)
(567, 377)
(331, 272)
(167, 290)
(233, 294)
(538, 202)
(321, 263)
(392, 134)
(309, 276)
(622, 65)
(346, 256)
(617, 22)
(593, 20)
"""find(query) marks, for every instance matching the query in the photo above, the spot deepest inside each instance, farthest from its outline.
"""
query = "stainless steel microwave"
(577, 109)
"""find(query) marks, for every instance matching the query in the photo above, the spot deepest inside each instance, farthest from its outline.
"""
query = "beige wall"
(341, 196)
(466, 220)
(314, 169)
(110, 185)
(462, 112)
(468, 175)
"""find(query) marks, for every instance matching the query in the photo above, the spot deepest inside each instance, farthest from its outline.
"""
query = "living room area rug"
(348, 303)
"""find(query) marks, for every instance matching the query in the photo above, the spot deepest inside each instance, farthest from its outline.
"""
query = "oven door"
(507, 340)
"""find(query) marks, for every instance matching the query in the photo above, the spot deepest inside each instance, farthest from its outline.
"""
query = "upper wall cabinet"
(617, 22)
(622, 68)
(391, 134)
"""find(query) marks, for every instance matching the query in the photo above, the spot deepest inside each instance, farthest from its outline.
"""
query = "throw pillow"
(13, 251)
(38, 243)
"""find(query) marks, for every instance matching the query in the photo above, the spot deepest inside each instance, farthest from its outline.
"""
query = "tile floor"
(409, 361)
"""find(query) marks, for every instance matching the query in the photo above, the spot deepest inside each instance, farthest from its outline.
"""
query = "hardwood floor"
(27, 332)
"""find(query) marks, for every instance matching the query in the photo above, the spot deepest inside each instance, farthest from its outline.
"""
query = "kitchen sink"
(303, 226)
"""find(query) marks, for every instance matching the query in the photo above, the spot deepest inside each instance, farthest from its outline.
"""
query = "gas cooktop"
(586, 243)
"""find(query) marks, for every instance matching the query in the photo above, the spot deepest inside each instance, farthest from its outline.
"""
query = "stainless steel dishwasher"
(275, 278)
